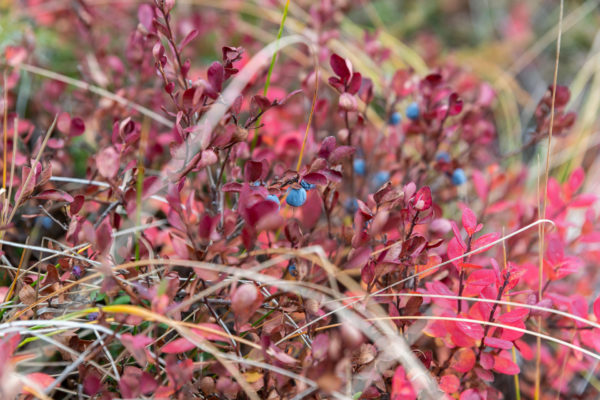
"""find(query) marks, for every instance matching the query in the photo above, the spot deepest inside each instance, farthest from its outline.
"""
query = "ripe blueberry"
(274, 199)
(412, 111)
(296, 197)
(381, 177)
(360, 166)
(395, 118)
(351, 205)
(458, 177)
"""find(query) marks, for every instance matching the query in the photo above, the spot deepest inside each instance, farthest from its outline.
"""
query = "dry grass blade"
(545, 202)
(96, 90)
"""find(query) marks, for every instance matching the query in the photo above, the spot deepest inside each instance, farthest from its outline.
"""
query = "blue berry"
(412, 111)
(46, 222)
(395, 118)
(458, 177)
(76, 271)
(381, 177)
(443, 156)
(293, 270)
(274, 199)
(307, 185)
(351, 205)
(296, 197)
(360, 167)
(255, 183)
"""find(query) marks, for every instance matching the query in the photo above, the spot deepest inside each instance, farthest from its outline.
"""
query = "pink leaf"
(64, 122)
(315, 178)
(104, 237)
(449, 383)
(107, 162)
(597, 308)
(482, 243)
(136, 345)
(215, 76)
(505, 366)
(482, 277)
(401, 387)
(576, 179)
(469, 221)
(54, 194)
(463, 360)
(41, 379)
(180, 345)
(190, 36)
(245, 301)
(340, 153)
(498, 343)
(92, 384)
(470, 329)
(481, 186)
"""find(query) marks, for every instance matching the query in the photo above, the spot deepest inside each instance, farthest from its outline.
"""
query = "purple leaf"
(190, 36)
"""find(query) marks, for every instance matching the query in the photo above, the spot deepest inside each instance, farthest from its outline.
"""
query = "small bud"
(347, 102)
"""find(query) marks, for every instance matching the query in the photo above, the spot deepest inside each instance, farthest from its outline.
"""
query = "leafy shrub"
(181, 232)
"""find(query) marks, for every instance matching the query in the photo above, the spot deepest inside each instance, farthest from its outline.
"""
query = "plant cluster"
(171, 229)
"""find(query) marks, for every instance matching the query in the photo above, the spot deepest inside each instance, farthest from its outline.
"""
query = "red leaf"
(92, 384)
(207, 334)
(136, 345)
(481, 186)
(470, 329)
(482, 243)
(463, 360)
(505, 366)
(253, 170)
(315, 178)
(576, 179)
(516, 315)
(597, 308)
(77, 127)
(41, 379)
(498, 343)
(104, 236)
(359, 258)
(245, 301)
(215, 76)
(180, 345)
(423, 200)
(340, 153)
(469, 221)
(482, 277)
(145, 15)
(54, 194)
(401, 387)
(470, 394)
(63, 123)
(449, 383)
(190, 36)
(355, 83)
(583, 200)
(107, 162)
(341, 67)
